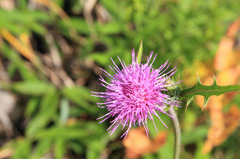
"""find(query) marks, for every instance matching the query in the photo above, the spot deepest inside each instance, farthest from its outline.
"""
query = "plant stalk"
(177, 133)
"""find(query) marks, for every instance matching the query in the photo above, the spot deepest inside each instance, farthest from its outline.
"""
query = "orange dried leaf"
(158, 142)
(216, 130)
(6, 153)
(233, 28)
(221, 130)
(232, 118)
(137, 143)
(224, 57)
(26, 52)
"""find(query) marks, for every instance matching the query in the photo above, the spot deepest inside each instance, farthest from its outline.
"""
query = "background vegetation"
(50, 54)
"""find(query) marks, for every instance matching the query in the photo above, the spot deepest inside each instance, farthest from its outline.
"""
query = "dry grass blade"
(53, 6)
(25, 51)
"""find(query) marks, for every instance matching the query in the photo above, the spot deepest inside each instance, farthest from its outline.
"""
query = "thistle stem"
(177, 133)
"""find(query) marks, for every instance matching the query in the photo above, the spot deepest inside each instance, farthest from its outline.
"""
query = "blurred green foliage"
(59, 118)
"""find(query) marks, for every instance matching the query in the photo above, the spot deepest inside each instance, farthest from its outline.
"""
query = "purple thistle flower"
(135, 93)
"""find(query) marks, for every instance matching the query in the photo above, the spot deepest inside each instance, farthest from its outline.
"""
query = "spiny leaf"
(207, 91)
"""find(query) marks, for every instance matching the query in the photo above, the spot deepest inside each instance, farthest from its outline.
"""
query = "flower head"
(135, 93)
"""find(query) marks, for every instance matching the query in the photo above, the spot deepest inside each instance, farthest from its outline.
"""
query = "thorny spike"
(206, 99)
(214, 81)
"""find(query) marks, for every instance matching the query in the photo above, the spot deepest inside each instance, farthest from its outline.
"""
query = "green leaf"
(113, 8)
(101, 58)
(76, 147)
(207, 91)
(63, 133)
(167, 147)
(77, 23)
(42, 148)
(64, 111)
(81, 97)
(17, 63)
(60, 149)
(197, 134)
(18, 22)
(91, 154)
(22, 149)
(31, 106)
(110, 28)
(48, 108)
(34, 88)
(199, 154)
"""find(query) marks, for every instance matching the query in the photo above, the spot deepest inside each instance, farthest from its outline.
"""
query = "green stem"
(177, 133)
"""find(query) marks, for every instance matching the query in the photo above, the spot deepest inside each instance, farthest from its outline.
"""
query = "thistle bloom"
(135, 93)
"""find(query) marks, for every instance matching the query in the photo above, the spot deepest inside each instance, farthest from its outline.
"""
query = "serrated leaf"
(207, 91)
